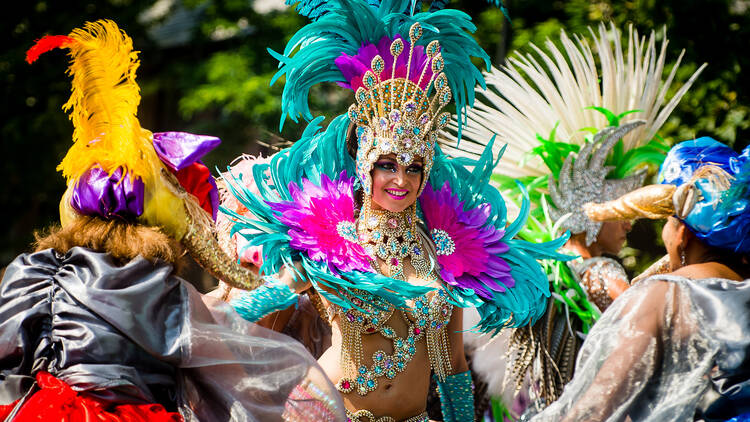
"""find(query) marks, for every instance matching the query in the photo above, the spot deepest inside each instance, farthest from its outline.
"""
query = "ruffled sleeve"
(22, 308)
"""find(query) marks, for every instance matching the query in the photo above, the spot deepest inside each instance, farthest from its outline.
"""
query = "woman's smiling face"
(395, 187)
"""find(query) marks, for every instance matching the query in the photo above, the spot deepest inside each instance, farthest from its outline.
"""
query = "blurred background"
(205, 69)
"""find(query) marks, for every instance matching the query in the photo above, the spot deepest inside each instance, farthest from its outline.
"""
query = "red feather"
(47, 43)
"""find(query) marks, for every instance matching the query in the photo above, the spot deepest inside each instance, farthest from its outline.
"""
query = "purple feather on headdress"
(354, 67)
(468, 248)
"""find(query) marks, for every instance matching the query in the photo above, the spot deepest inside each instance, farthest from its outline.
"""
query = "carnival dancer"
(388, 232)
(95, 324)
(675, 346)
(578, 124)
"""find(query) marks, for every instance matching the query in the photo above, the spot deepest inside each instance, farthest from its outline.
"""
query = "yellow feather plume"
(103, 105)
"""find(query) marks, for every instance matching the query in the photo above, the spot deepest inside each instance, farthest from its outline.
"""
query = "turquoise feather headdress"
(309, 57)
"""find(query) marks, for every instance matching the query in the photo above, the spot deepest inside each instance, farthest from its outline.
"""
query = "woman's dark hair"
(351, 141)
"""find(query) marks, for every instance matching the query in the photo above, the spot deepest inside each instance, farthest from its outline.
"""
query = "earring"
(682, 256)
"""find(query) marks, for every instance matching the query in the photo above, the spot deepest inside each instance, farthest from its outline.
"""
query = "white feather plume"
(535, 92)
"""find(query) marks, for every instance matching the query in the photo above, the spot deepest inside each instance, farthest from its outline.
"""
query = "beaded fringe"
(351, 349)
(438, 351)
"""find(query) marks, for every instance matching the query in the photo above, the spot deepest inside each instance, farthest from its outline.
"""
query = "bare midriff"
(403, 396)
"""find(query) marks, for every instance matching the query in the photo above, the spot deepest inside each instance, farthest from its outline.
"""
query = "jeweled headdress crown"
(398, 100)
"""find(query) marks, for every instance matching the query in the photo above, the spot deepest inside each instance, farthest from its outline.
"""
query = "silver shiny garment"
(668, 349)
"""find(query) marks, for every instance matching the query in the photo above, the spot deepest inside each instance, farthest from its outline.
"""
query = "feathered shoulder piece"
(303, 209)
(477, 248)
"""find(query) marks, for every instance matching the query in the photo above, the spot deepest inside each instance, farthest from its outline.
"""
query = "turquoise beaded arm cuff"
(272, 296)
(456, 397)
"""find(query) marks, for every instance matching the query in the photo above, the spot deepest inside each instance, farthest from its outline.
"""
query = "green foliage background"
(205, 69)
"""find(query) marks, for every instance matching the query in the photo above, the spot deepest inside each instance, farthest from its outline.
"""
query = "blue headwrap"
(721, 217)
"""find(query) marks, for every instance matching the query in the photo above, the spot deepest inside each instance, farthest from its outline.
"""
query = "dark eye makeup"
(390, 165)
(414, 169)
(385, 165)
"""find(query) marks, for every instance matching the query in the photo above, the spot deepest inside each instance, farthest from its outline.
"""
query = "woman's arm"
(280, 292)
(456, 341)
(457, 390)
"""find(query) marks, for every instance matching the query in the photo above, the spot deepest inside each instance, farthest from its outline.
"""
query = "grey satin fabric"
(74, 315)
(135, 333)
(694, 368)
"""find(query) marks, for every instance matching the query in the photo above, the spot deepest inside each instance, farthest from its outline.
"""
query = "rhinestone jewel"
(410, 107)
(395, 116)
(392, 222)
(347, 230)
(444, 245)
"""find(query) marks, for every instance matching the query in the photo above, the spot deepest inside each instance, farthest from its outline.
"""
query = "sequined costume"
(576, 123)
(314, 208)
(97, 325)
(673, 348)
(595, 275)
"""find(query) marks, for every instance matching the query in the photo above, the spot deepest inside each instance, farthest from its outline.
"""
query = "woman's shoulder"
(706, 270)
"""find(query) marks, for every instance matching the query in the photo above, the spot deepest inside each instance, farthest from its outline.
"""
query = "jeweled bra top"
(427, 318)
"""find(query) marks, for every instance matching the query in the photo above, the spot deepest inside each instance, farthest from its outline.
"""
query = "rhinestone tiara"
(394, 111)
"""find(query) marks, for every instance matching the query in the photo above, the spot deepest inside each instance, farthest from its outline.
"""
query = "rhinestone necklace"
(393, 237)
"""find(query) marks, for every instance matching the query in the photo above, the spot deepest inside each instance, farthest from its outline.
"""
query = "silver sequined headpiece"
(585, 181)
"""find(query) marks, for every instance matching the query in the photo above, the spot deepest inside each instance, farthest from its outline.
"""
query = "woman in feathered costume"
(95, 325)
(675, 346)
(370, 217)
(580, 124)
